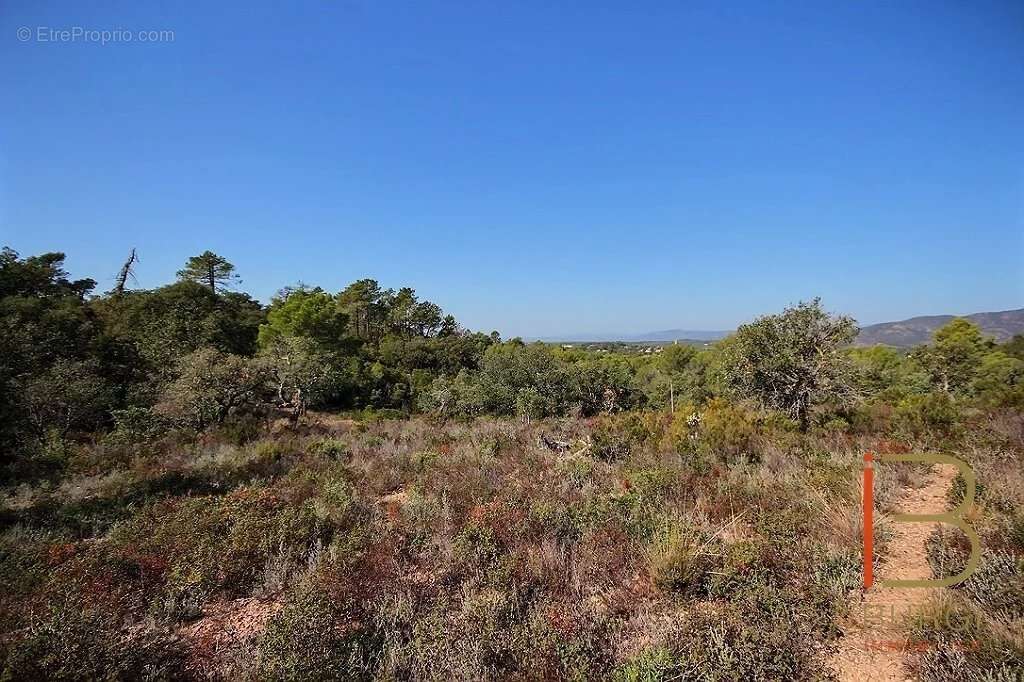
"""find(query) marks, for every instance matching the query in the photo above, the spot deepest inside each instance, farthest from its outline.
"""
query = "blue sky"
(537, 168)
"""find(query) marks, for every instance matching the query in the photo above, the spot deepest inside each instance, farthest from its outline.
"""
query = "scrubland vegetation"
(352, 486)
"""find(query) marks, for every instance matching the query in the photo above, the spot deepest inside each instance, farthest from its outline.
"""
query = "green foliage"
(720, 431)
(48, 335)
(329, 448)
(999, 381)
(535, 381)
(725, 430)
(68, 395)
(74, 641)
(210, 270)
(926, 416)
(953, 356)
(135, 425)
(164, 324)
(1014, 347)
(314, 638)
(523, 379)
(886, 373)
(209, 386)
(615, 436)
(310, 313)
(680, 559)
(793, 361)
(728, 644)
(650, 665)
(197, 546)
(303, 372)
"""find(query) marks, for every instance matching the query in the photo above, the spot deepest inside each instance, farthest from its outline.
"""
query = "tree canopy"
(212, 271)
(192, 353)
(794, 360)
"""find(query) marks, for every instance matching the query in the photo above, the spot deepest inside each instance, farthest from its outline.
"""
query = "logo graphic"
(953, 517)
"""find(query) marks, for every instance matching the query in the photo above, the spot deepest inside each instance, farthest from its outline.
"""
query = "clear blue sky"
(537, 168)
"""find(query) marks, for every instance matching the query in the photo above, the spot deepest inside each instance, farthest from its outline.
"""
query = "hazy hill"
(654, 337)
(904, 333)
(680, 334)
(1000, 325)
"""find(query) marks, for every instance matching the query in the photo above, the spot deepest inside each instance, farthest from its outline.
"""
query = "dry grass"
(490, 549)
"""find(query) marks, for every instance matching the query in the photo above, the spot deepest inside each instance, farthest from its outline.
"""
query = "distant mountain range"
(917, 330)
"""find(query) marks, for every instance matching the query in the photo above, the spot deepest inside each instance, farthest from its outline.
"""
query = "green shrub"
(330, 448)
(136, 425)
(958, 489)
(680, 560)
(961, 643)
(996, 586)
(872, 416)
(315, 637)
(243, 426)
(931, 415)
(24, 567)
(210, 386)
(729, 643)
(74, 642)
(721, 431)
(615, 436)
(206, 544)
(651, 665)
(742, 565)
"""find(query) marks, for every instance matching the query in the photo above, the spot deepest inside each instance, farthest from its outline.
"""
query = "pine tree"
(210, 270)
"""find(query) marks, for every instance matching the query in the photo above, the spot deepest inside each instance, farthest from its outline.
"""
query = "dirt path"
(873, 645)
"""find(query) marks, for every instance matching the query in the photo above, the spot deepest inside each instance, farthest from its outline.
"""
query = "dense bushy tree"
(303, 371)
(881, 371)
(39, 276)
(998, 381)
(669, 377)
(954, 355)
(174, 320)
(535, 380)
(386, 347)
(602, 383)
(1014, 347)
(365, 303)
(528, 379)
(209, 385)
(68, 395)
(461, 396)
(959, 363)
(793, 361)
(197, 353)
(309, 313)
(46, 330)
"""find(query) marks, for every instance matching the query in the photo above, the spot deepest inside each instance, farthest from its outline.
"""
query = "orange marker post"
(869, 519)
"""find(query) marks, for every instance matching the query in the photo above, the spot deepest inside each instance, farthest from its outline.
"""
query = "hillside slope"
(999, 325)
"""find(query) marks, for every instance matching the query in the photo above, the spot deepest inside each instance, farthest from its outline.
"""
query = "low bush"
(727, 643)
(955, 641)
(720, 431)
(205, 544)
(72, 641)
(680, 559)
(930, 416)
(315, 637)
